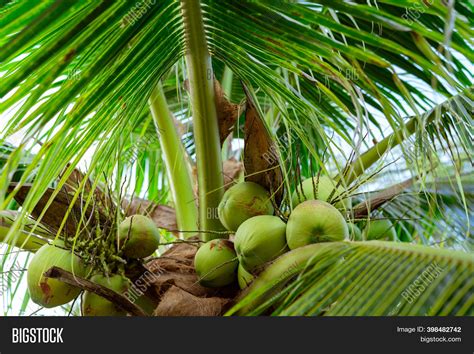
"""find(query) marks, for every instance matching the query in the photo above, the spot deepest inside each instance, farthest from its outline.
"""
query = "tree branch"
(378, 199)
(118, 299)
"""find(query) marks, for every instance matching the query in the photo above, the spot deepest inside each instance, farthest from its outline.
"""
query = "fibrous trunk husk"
(177, 288)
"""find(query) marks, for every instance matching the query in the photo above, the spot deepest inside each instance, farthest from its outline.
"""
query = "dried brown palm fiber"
(177, 288)
(232, 169)
(177, 302)
(163, 216)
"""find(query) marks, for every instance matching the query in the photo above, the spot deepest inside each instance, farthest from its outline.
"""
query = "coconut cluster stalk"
(177, 163)
(206, 130)
(371, 156)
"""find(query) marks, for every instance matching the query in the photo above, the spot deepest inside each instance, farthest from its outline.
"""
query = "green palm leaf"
(366, 279)
(106, 58)
(328, 76)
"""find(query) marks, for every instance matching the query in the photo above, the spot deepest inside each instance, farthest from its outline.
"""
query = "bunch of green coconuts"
(138, 238)
(260, 236)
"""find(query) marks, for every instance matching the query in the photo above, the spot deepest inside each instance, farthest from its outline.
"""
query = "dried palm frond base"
(164, 286)
(176, 286)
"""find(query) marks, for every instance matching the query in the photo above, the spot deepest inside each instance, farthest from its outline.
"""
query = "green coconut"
(243, 201)
(95, 305)
(259, 240)
(49, 292)
(244, 278)
(354, 232)
(216, 263)
(315, 221)
(381, 229)
(324, 188)
(138, 236)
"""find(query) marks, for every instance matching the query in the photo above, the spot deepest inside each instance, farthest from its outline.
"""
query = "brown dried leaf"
(73, 183)
(54, 215)
(232, 170)
(177, 302)
(186, 282)
(261, 161)
(178, 289)
(176, 268)
(227, 112)
(163, 215)
(178, 258)
(74, 180)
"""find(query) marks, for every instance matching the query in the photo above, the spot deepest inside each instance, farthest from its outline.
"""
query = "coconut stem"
(371, 156)
(108, 294)
(177, 162)
(206, 130)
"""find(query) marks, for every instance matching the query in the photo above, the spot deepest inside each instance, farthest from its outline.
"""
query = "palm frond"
(437, 213)
(331, 78)
(372, 278)
(109, 86)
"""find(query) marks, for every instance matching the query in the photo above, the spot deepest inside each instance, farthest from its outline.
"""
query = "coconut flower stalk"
(206, 130)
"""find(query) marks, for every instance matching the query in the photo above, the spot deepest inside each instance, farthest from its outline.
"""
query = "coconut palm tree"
(107, 102)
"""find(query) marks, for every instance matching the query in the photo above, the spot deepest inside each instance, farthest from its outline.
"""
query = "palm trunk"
(206, 130)
(177, 163)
